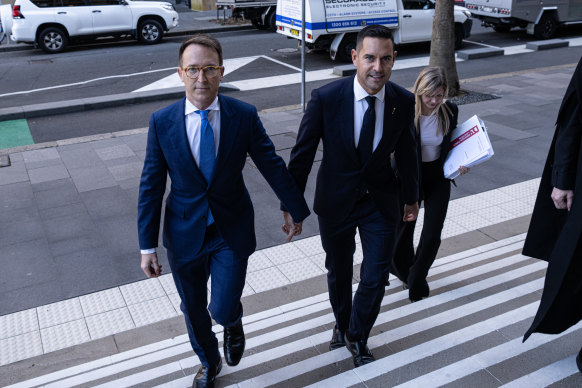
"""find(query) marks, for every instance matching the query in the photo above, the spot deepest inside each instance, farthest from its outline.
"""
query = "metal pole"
(303, 55)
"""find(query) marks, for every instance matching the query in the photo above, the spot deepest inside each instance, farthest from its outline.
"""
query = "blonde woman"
(435, 118)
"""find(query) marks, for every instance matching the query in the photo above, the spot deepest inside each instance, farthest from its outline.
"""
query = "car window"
(73, 3)
(416, 4)
(104, 2)
(46, 3)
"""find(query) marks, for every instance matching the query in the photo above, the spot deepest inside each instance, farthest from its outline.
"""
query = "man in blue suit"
(361, 122)
(202, 143)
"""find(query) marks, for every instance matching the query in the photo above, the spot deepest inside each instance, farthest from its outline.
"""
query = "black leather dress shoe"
(234, 344)
(337, 339)
(579, 360)
(418, 291)
(206, 376)
(360, 352)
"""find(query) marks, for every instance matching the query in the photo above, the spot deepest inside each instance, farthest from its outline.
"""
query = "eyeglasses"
(210, 71)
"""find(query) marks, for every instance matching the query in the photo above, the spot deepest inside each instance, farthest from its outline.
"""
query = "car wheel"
(272, 21)
(150, 32)
(258, 24)
(344, 51)
(53, 40)
(546, 27)
(459, 36)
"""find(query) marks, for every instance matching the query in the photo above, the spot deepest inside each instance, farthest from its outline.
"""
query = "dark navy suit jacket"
(329, 117)
(168, 152)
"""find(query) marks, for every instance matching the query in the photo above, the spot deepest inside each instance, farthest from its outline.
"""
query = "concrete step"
(480, 53)
(467, 333)
(547, 44)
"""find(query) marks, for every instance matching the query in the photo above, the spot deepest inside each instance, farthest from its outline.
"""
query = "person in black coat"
(555, 229)
(435, 118)
(360, 122)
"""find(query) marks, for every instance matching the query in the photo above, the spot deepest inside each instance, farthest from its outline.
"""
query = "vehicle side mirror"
(123, 2)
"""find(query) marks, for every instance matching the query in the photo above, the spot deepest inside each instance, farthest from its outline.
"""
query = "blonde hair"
(429, 81)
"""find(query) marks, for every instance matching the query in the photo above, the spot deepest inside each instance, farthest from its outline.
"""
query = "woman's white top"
(430, 139)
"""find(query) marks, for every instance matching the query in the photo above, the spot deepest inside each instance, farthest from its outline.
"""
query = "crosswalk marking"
(173, 80)
(305, 366)
(547, 375)
(319, 303)
(426, 349)
(482, 281)
(315, 75)
(481, 360)
(232, 64)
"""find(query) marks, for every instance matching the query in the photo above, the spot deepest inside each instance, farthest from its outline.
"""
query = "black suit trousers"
(338, 239)
(411, 267)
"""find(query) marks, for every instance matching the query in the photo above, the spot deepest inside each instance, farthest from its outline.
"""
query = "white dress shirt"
(360, 107)
(193, 126)
(193, 129)
(430, 138)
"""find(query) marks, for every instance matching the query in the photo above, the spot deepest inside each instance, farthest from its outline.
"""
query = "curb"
(92, 103)
(109, 135)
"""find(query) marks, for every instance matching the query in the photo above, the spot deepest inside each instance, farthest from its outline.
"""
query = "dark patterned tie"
(207, 151)
(366, 142)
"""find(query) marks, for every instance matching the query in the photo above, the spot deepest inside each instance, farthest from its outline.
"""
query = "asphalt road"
(32, 70)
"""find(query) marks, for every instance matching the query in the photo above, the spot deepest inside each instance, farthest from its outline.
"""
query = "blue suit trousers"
(227, 273)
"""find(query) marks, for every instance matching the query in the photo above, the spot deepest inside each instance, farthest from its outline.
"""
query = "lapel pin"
(393, 110)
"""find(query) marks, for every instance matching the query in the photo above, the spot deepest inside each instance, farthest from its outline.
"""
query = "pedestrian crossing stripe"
(14, 133)
(478, 281)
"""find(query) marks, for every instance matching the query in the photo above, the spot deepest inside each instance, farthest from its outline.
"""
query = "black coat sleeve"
(567, 148)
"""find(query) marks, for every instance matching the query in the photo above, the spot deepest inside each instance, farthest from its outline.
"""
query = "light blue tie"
(207, 152)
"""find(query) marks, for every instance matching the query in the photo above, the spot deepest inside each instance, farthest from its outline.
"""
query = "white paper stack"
(470, 145)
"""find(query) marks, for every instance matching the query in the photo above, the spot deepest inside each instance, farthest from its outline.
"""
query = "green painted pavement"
(14, 133)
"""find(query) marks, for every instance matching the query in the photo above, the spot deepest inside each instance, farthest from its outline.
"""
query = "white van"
(334, 24)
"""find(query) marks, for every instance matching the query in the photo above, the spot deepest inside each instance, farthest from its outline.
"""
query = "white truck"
(260, 12)
(540, 17)
(334, 24)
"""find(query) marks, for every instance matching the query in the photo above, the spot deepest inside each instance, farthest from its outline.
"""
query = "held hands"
(562, 198)
(290, 228)
(150, 266)
(410, 212)
(463, 170)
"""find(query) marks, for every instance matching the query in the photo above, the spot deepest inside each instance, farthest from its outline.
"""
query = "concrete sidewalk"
(68, 240)
(75, 200)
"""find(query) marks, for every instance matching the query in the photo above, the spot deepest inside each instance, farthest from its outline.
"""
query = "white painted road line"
(482, 360)
(126, 361)
(547, 375)
(233, 64)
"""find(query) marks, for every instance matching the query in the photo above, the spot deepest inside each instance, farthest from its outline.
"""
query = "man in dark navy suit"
(361, 121)
(202, 143)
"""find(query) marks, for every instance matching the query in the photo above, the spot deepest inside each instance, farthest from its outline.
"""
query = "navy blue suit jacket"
(329, 117)
(168, 152)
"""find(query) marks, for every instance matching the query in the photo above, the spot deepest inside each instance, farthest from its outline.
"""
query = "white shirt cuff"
(147, 251)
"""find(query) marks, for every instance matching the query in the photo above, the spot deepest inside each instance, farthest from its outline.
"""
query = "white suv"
(52, 24)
